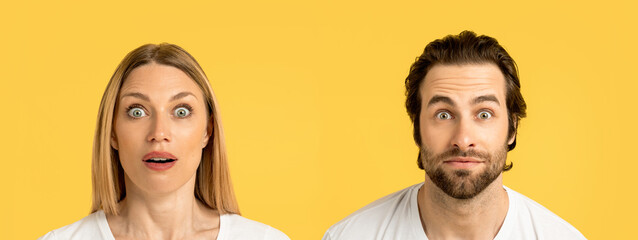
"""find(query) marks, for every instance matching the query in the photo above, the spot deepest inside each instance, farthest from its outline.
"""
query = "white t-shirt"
(231, 226)
(396, 216)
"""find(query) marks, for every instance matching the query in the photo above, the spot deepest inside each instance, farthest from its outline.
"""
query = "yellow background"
(312, 95)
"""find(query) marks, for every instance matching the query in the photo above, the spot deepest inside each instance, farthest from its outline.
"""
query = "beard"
(463, 183)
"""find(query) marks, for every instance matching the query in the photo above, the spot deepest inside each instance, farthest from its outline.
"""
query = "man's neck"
(445, 217)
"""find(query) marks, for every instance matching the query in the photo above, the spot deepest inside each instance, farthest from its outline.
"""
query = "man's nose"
(160, 129)
(464, 136)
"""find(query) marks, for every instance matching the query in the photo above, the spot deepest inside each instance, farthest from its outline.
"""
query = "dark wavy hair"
(465, 48)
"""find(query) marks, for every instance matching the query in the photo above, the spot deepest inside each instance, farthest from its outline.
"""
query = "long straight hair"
(213, 186)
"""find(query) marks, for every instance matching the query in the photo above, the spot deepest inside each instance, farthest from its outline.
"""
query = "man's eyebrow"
(439, 98)
(137, 95)
(486, 98)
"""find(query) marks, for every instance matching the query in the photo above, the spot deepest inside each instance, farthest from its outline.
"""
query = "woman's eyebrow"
(137, 95)
(182, 95)
(146, 98)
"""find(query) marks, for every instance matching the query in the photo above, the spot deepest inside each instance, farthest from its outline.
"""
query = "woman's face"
(160, 128)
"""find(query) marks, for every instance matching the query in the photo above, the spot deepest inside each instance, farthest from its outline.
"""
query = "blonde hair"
(213, 186)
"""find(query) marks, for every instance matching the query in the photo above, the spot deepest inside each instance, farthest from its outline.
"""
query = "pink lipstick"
(159, 161)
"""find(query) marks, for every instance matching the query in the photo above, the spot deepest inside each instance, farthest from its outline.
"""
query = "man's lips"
(463, 160)
(159, 155)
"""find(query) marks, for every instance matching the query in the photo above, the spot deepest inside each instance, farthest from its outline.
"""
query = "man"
(463, 96)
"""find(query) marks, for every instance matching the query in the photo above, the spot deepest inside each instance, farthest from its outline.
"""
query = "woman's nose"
(160, 129)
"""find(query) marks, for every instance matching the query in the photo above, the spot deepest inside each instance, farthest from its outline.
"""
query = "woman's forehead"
(159, 81)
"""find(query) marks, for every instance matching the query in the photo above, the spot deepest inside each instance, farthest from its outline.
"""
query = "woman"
(159, 159)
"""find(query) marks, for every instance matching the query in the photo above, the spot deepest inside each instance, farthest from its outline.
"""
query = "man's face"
(463, 127)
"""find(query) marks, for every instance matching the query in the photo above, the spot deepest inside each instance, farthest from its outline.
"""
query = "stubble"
(462, 183)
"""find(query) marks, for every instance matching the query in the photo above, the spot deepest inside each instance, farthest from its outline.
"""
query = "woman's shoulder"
(233, 226)
(93, 226)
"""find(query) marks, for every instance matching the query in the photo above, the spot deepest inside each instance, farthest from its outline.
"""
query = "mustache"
(456, 152)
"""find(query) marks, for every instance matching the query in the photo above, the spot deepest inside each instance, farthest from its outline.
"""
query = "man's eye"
(182, 112)
(136, 112)
(443, 115)
(484, 115)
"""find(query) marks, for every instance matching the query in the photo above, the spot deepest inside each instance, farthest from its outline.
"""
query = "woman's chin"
(161, 184)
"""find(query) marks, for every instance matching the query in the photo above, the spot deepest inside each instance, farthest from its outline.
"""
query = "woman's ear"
(209, 132)
(114, 141)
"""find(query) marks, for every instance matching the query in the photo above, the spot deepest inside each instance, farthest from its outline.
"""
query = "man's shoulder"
(531, 216)
(387, 204)
(383, 214)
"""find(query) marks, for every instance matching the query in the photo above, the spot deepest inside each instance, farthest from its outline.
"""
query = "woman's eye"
(182, 112)
(443, 115)
(136, 112)
(484, 115)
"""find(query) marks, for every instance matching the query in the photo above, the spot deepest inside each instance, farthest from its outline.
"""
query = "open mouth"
(160, 160)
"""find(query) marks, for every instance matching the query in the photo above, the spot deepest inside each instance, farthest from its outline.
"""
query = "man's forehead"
(461, 80)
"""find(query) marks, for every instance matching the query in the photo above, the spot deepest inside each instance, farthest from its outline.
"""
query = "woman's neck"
(174, 215)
